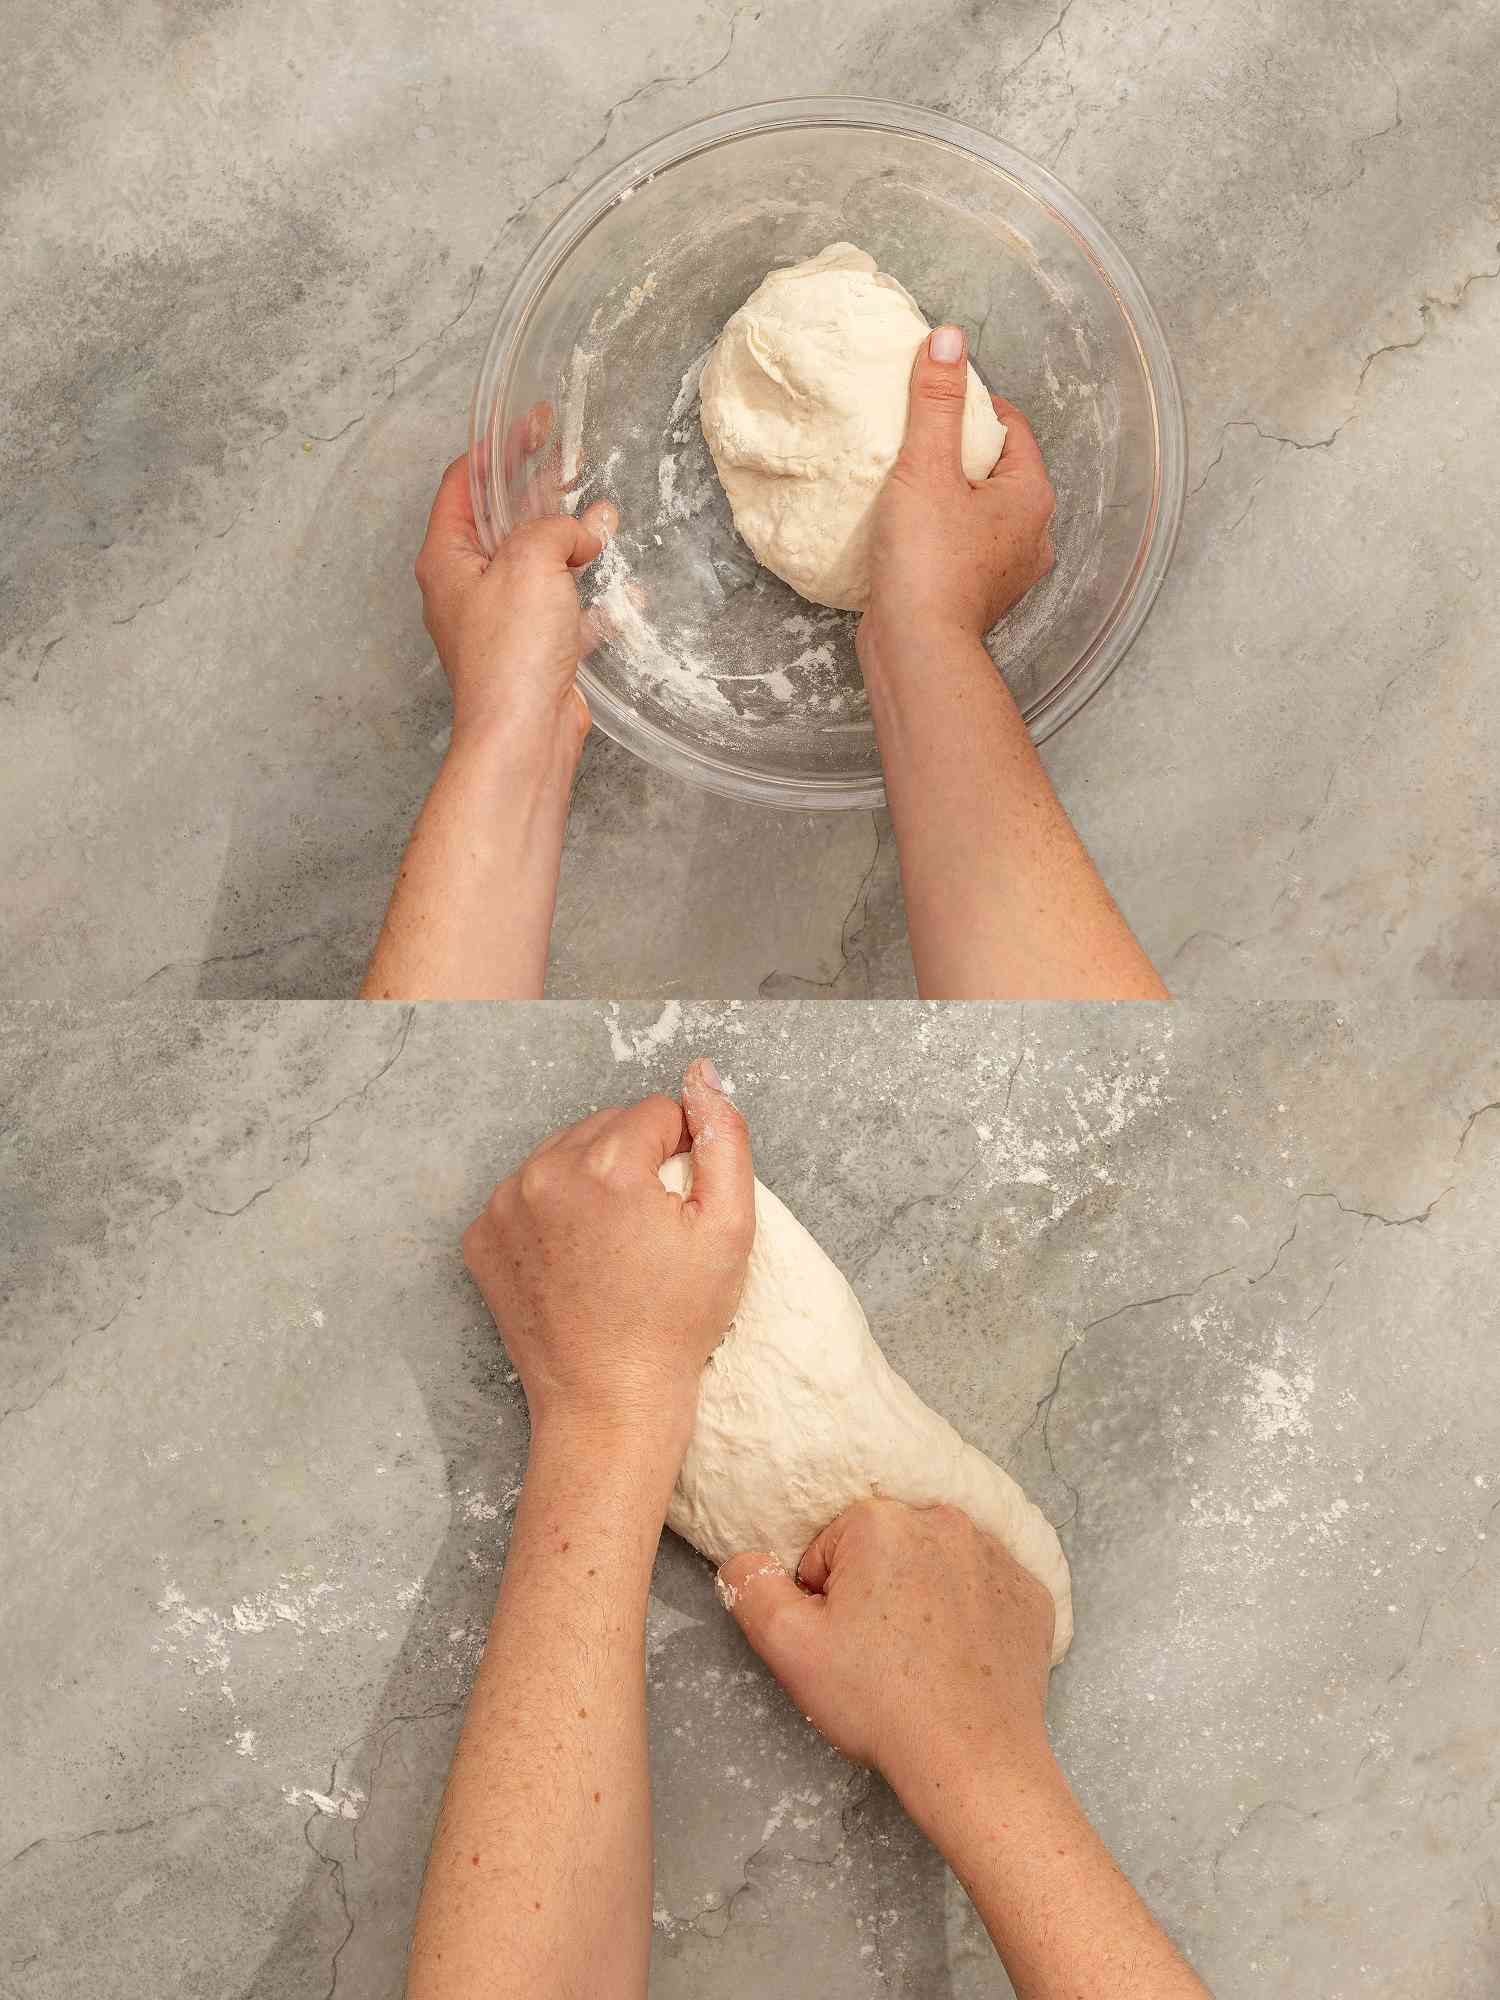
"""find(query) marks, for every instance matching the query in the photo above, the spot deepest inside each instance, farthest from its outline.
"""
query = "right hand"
(913, 1641)
(949, 556)
(611, 1292)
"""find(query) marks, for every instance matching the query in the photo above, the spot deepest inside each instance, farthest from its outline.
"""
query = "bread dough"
(800, 1415)
(804, 404)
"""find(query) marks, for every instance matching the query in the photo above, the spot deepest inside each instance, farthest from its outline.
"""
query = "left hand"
(611, 1292)
(508, 628)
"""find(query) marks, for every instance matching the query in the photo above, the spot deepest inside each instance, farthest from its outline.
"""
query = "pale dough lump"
(804, 403)
(800, 1414)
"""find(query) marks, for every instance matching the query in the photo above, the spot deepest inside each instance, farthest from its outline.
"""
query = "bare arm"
(1002, 899)
(918, 1645)
(471, 911)
(539, 1880)
(612, 1293)
(1064, 1920)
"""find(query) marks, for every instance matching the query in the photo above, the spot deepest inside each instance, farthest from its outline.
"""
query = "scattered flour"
(347, 1805)
(640, 1047)
(575, 405)
(1276, 1406)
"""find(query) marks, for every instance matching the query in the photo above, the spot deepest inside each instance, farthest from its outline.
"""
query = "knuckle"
(604, 1165)
(952, 1520)
(526, 542)
(534, 1183)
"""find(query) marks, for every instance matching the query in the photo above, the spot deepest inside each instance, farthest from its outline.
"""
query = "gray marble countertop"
(251, 257)
(1218, 1286)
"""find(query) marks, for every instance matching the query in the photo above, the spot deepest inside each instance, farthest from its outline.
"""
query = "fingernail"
(709, 1073)
(947, 343)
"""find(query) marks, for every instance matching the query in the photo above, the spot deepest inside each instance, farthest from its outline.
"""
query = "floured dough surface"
(804, 405)
(800, 1415)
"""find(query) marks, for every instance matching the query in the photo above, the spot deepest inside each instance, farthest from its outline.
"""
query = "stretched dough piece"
(804, 403)
(800, 1415)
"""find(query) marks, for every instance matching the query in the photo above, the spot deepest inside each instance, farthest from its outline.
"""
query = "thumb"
(723, 1177)
(451, 553)
(776, 1617)
(935, 409)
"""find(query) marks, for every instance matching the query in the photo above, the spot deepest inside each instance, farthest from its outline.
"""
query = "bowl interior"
(708, 664)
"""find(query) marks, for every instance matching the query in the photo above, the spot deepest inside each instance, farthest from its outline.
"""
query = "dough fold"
(804, 402)
(800, 1414)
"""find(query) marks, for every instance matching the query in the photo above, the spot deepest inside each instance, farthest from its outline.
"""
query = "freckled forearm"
(471, 911)
(539, 1881)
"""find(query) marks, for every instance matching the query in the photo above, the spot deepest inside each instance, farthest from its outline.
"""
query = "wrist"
(635, 1448)
(890, 643)
(512, 743)
(963, 1799)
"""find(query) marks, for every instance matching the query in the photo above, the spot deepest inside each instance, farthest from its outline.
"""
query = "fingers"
(820, 1555)
(451, 549)
(560, 542)
(1020, 447)
(723, 1177)
(527, 435)
(642, 1137)
(935, 407)
(600, 520)
(579, 1134)
(776, 1617)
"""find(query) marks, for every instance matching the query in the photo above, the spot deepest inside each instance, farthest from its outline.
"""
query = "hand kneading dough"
(800, 1415)
(804, 409)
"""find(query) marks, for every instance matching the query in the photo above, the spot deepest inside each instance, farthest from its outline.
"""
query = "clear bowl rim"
(1118, 631)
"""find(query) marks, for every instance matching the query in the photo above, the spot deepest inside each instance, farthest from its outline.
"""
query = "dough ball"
(800, 1415)
(804, 408)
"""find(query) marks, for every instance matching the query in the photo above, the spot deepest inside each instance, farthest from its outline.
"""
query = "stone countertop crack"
(334, 1868)
(1010, 1081)
(304, 1133)
(225, 958)
(1448, 1590)
(20, 1409)
(1369, 1214)
(1031, 55)
(885, 1226)
(384, 1732)
(666, 81)
(1340, 764)
(1471, 1121)
(151, 603)
(1362, 146)
(846, 941)
(1426, 307)
(1229, 944)
(107, 1832)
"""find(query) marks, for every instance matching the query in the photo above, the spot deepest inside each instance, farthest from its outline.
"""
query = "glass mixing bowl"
(706, 664)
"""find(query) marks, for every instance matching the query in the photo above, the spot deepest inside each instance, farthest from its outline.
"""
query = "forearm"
(1064, 1920)
(539, 1880)
(1002, 899)
(471, 912)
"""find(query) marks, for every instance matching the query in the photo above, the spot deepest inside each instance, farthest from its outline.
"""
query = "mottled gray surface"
(1219, 1286)
(251, 255)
